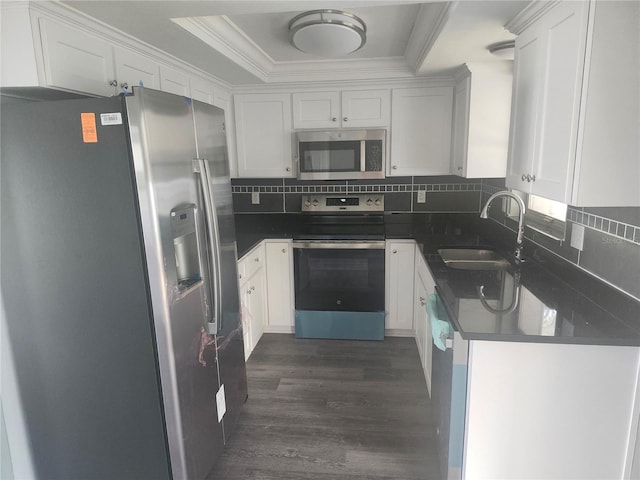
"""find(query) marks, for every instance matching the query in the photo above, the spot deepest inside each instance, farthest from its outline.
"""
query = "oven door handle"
(355, 245)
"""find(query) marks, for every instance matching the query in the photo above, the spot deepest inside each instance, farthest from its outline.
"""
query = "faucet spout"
(505, 193)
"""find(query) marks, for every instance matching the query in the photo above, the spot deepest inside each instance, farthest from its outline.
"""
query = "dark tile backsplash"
(611, 249)
(443, 193)
(612, 235)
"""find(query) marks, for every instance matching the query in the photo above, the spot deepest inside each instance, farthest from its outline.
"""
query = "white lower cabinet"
(266, 291)
(279, 275)
(424, 285)
(253, 297)
(543, 410)
(399, 261)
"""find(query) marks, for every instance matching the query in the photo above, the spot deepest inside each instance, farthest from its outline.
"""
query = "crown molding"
(340, 70)
(223, 35)
(430, 21)
(529, 15)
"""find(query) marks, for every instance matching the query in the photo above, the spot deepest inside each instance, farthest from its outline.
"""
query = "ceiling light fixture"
(327, 33)
(504, 50)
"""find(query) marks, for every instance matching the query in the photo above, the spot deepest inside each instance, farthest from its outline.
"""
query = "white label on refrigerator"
(111, 118)
(221, 403)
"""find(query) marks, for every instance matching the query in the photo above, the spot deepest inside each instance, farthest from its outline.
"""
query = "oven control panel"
(357, 202)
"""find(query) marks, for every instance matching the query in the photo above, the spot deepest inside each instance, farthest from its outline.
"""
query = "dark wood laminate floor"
(333, 409)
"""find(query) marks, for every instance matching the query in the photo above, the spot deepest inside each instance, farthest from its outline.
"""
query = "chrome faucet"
(506, 193)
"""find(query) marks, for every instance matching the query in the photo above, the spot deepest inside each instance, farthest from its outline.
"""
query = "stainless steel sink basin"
(473, 259)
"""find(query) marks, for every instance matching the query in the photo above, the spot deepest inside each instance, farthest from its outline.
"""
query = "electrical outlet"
(577, 236)
(255, 198)
(422, 196)
(221, 403)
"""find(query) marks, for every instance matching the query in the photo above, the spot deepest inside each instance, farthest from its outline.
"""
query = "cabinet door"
(420, 312)
(565, 31)
(253, 298)
(365, 108)
(425, 286)
(421, 131)
(548, 72)
(173, 81)
(459, 144)
(202, 90)
(135, 70)
(77, 61)
(528, 56)
(263, 132)
(316, 110)
(399, 262)
(222, 99)
(279, 262)
(245, 305)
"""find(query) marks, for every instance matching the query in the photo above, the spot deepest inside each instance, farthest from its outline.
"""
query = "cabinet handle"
(395, 167)
(533, 178)
(395, 251)
(459, 168)
(113, 83)
(345, 119)
(284, 250)
(288, 169)
(249, 291)
(334, 119)
(253, 287)
(524, 177)
(257, 259)
(124, 86)
(422, 301)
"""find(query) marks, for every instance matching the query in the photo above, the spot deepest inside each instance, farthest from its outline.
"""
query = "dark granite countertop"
(545, 299)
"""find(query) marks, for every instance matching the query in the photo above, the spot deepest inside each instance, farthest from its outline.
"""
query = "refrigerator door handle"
(213, 243)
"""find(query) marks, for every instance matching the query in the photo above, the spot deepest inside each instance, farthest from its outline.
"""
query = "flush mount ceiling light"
(504, 50)
(327, 33)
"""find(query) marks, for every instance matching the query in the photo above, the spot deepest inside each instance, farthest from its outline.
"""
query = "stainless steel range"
(339, 267)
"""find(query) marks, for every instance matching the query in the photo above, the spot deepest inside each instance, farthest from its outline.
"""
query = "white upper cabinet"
(576, 106)
(351, 108)
(174, 81)
(481, 113)
(366, 108)
(77, 61)
(421, 131)
(135, 70)
(264, 135)
(202, 90)
(46, 45)
(316, 110)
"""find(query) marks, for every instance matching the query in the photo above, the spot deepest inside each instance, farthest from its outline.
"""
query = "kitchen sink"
(473, 259)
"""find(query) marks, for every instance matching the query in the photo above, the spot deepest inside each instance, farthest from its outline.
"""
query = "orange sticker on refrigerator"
(89, 131)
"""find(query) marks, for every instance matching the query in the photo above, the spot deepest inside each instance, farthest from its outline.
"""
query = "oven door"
(339, 289)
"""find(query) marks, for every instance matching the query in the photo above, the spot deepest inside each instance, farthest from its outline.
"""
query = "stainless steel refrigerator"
(119, 285)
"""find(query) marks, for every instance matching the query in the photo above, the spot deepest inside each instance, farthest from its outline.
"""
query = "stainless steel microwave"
(341, 154)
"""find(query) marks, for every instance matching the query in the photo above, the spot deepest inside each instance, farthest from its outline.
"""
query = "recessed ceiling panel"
(388, 31)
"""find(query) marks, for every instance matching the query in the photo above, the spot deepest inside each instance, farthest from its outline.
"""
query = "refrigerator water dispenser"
(185, 243)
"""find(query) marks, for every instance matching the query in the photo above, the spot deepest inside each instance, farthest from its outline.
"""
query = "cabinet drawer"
(251, 263)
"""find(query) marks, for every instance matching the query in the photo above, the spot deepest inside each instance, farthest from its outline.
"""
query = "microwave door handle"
(213, 281)
(363, 150)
